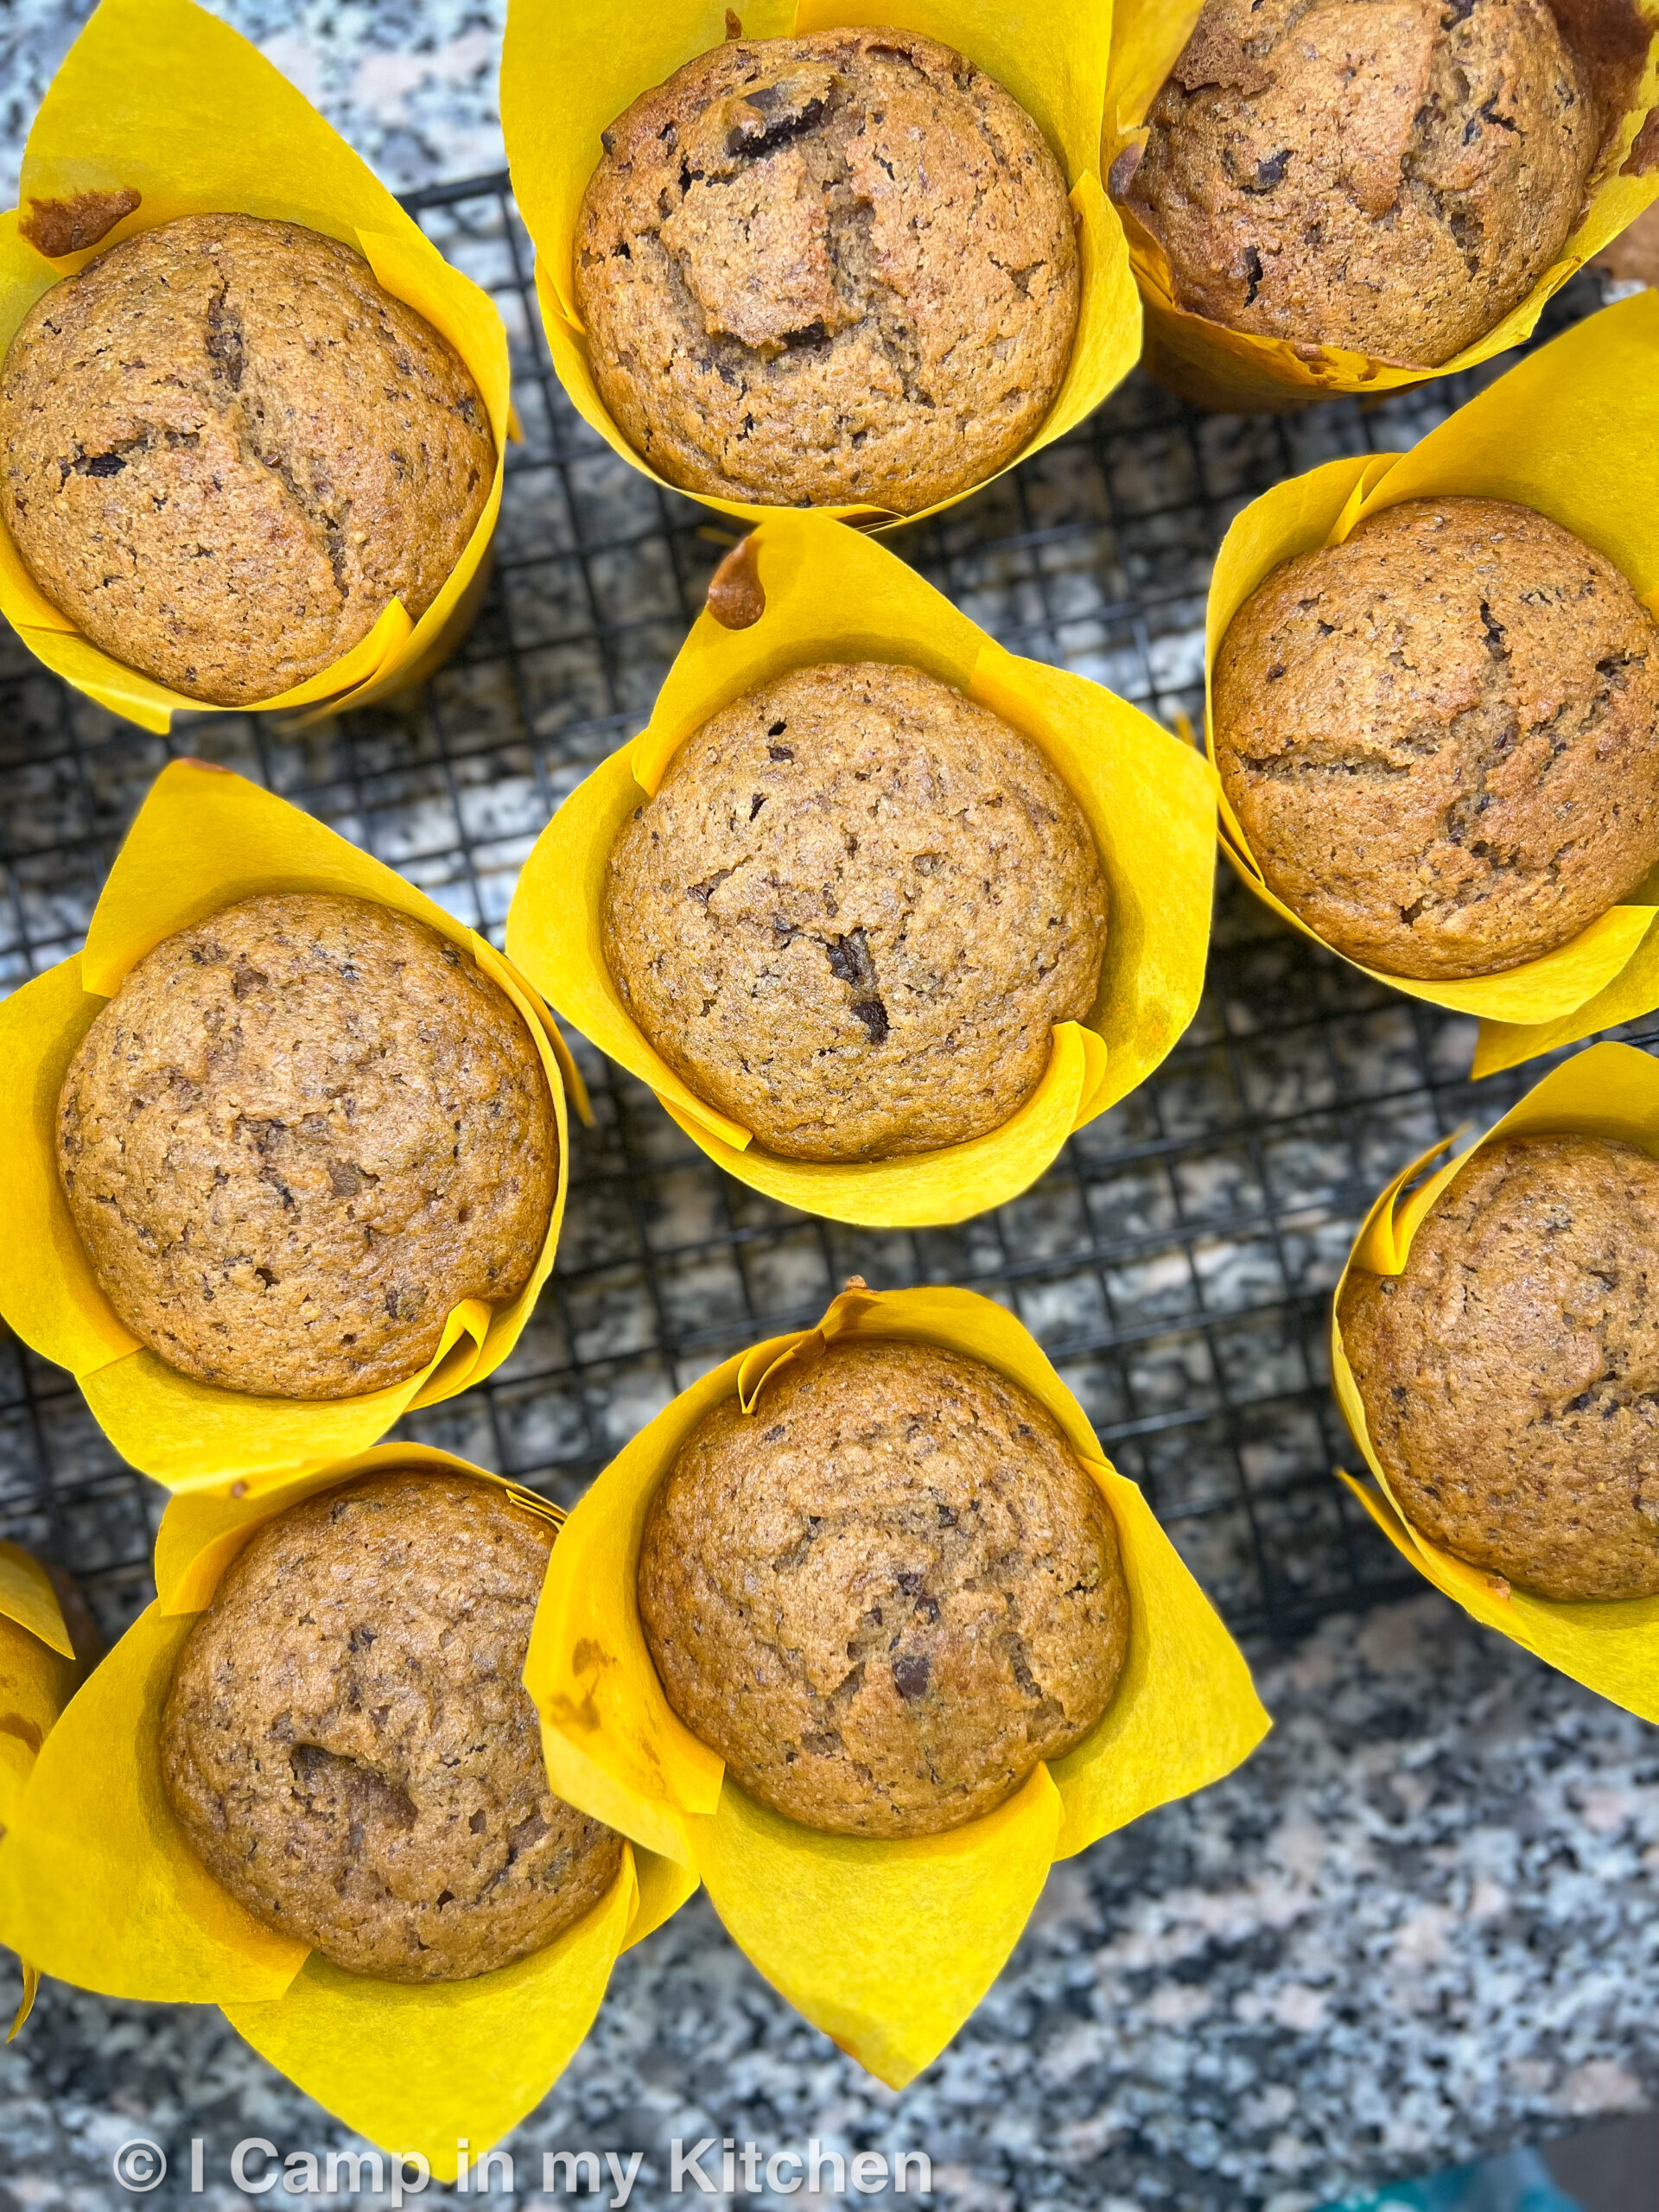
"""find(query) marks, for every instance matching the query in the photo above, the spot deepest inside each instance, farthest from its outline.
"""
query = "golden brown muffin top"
(887, 1594)
(1441, 737)
(1391, 176)
(300, 1132)
(350, 1749)
(1510, 1375)
(225, 450)
(853, 913)
(827, 270)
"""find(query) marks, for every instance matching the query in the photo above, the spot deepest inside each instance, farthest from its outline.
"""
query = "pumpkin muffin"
(884, 1595)
(853, 913)
(824, 270)
(225, 450)
(1510, 1375)
(1390, 177)
(1441, 737)
(350, 1749)
(297, 1135)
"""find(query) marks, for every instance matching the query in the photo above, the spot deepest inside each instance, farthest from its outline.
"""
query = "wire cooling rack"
(1178, 1259)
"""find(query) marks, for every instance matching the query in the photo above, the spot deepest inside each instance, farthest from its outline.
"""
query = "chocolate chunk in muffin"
(853, 913)
(1441, 737)
(225, 450)
(824, 270)
(1391, 176)
(299, 1134)
(1510, 1375)
(887, 1594)
(350, 1749)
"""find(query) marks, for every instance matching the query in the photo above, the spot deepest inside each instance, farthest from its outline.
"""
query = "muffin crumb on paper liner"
(1610, 1644)
(567, 75)
(97, 1882)
(203, 839)
(40, 1670)
(1215, 366)
(1572, 431)
(163, 109)
(886, 1945)
(1149, 800)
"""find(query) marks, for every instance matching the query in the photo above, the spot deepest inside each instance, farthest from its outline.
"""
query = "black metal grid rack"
(1176, 1262)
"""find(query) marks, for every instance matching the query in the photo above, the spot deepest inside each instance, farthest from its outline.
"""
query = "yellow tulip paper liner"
(1573, 432)
(97, 1882)
(567, 75)
(202, 839)
(833, 595)
(1610, 1646)
(40, 1668)
(159, 98)
(886, 1946)
(1237, 370)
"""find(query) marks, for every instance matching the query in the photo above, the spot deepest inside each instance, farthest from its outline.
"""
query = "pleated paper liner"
(98, 1884)
(1573, 432)
(831, 595)
(1611, 1645)
(203, 839)
(570, 68)
(886, 1945)
(1239, 371)
(159, 98)
(39, 1671)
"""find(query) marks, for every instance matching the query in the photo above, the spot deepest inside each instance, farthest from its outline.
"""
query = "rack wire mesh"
(1176, 1262)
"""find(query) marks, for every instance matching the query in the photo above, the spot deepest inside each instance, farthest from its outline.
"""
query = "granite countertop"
(1418, 1925)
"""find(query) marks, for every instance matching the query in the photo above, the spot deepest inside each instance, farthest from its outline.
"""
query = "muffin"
(1510, 1375)
(226, 450)
(1390, 177)
(884, 1596)
(831, 270)
(1441, 737)
(297, 1135)
(853, 913)
(348, 1747)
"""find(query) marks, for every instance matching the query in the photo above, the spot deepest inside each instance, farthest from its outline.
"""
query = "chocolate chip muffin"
(225, 450)
(853, 913)
(884, 1595)
(1441, 737)
(825, 270)
(1391, 176)
(1511, 1375)
(299, 1134)
(348, 1746)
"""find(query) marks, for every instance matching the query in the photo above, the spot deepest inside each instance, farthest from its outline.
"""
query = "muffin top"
(853, 913)
(1388, 176)
(299, 1133)
(830, 269)
(1441, 737)
(1511, 1375)
(225, 450)
(348, 1746)
(885, 1594)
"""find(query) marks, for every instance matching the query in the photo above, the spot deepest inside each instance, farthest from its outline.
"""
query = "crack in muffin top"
(1510, 1375)
(348, 1745)
(1392, 177)
(887, 1593)
(1441, 737)
(226, 449)
(300, 1132)
(824, 270)
(853, 913)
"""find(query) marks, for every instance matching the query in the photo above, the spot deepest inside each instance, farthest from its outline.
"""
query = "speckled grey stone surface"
(1420, 1924)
